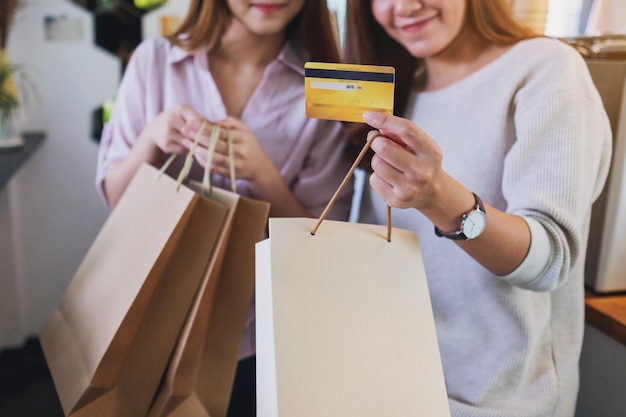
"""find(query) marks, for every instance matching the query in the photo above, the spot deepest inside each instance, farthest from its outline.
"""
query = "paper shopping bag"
(344, 325)
(109, 340)
(200, 376)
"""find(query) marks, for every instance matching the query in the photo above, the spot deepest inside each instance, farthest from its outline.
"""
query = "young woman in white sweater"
(499, 148)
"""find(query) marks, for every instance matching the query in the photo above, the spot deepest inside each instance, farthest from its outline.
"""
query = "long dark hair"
(366, 42)
(207, 20)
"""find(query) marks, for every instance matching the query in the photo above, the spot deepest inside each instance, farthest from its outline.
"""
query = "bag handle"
(184, 172)
(231, 160)
(343, 184)
(207, 187)
(206, 179)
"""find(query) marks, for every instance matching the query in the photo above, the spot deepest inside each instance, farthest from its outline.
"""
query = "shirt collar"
(291, 55)
(176, 54)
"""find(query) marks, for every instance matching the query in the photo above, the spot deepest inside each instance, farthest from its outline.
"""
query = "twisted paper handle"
(207, 187)
(206, 179)
(231, 160)
(343, 184)
(184, 172)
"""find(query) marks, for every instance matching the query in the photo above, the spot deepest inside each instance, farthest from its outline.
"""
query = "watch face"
(474, 224)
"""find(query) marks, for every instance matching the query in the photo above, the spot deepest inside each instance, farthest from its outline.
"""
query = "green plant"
(148, 4)
(9, 98)
(10, 95)
(16, 88)
(106, 5)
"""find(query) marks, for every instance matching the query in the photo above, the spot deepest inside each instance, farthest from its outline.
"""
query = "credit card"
(344, 91)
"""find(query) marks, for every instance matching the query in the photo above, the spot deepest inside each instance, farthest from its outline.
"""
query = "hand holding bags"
(110, 339)
(344, 323)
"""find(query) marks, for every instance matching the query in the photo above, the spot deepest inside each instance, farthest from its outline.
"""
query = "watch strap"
(458, 234)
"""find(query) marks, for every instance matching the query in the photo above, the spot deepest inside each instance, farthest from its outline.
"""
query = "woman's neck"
(240, 47)
(238, 65)
(467, 53)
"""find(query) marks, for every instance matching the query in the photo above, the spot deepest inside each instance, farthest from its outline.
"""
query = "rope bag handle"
(343, 184)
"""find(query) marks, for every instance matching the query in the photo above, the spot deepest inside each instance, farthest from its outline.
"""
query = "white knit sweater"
(529, 135)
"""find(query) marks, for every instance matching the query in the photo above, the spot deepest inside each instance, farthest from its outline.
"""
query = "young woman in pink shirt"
(240, 64)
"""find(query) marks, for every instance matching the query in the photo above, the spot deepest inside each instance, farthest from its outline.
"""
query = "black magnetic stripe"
(349, 75)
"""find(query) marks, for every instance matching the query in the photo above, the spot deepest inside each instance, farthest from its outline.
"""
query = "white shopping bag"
(344, 323)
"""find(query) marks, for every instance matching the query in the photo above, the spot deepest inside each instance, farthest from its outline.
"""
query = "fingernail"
(370, 117)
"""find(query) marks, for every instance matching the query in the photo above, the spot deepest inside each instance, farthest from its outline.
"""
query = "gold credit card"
(345, 91)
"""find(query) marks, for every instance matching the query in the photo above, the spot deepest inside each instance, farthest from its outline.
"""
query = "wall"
(616, 12)
(607, 16)
(50, 211)
(54, 209)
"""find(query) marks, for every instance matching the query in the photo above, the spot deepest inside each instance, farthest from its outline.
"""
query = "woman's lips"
(416, 26)
(268, 7)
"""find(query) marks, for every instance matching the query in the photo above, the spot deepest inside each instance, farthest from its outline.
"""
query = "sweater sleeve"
(557, 167)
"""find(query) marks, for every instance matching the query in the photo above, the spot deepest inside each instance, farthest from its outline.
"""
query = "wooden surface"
(12, 159)
(607, 313)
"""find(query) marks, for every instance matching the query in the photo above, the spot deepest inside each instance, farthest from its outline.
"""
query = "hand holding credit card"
(344, 91)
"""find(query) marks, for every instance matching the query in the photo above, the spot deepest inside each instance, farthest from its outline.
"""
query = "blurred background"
(74, 53)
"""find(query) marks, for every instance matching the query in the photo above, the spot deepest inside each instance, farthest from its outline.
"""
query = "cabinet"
(606, 253)
(12, 159)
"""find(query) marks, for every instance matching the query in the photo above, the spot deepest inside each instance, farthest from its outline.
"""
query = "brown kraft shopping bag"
(200, 376)
(108, 342)
(344, 324)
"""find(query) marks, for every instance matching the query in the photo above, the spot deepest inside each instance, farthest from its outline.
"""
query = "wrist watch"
(472, 224)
